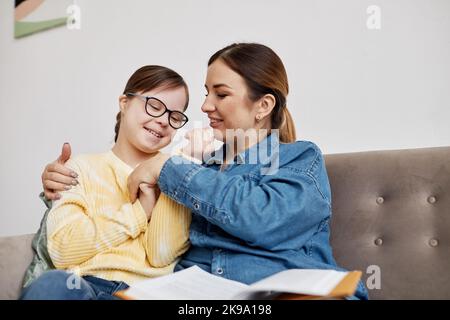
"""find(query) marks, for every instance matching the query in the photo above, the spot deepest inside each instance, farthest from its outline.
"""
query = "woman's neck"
(247, 141)
(129, 154)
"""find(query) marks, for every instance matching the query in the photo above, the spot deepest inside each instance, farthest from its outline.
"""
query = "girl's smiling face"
(144, 132)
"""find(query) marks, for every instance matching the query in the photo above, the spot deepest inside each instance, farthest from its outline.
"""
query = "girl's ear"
(123, 101)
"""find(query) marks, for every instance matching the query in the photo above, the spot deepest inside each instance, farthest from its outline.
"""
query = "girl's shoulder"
(87, 161)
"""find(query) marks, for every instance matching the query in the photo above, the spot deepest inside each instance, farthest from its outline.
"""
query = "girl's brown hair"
(264, 73)
(148, 78)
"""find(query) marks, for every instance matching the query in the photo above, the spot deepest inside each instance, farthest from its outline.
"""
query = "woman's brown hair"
(148, 78)
(264, 73)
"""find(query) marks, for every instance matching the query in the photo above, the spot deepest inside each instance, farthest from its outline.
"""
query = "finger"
(210, 147)
(56, 186)
(142, 187)
(133, 189)
(65, 153)
(146, 187)
(61, 169)
(52, 195)
(59, 178)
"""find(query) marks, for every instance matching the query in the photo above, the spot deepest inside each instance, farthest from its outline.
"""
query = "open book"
(196, 284)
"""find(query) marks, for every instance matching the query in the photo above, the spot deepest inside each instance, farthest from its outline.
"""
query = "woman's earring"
(258, 118)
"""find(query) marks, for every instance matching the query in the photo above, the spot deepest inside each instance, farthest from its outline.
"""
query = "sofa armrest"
(15, 257)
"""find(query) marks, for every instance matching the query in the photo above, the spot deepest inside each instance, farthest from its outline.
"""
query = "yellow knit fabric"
(95, 230)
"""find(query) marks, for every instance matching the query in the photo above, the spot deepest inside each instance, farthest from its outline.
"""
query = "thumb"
(65, 153)
(146, 188)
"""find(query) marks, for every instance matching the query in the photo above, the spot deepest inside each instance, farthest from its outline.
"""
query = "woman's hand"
(147, 172)
(200, 143)
(56, 177)
(147, 197)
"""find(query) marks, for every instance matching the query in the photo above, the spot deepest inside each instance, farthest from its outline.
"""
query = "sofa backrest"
(391, 219)
(15, 257)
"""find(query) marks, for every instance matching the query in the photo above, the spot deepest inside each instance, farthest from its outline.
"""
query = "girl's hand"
(200, 143)
(147, 172)
(56, 177)
(147, 197)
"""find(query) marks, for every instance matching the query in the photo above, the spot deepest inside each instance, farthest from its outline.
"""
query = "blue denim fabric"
(252, 220)
(61, 285)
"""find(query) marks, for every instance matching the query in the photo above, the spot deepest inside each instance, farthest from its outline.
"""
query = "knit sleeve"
(167, 234)
(77, 230)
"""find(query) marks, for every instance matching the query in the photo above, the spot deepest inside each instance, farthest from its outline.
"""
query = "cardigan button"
(380, 200)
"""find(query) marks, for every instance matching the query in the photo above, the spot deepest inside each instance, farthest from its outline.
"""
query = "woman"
(96, 237)
(262, 203)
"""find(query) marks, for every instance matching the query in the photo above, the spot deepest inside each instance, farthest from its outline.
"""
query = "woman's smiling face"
(227, 103)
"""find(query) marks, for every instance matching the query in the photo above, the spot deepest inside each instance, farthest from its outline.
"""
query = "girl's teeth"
(154, 133)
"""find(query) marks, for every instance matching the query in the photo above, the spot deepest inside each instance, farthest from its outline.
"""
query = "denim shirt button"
(219, 271)
(196, 206)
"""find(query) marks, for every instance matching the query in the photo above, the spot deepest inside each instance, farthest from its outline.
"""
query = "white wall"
(352, 89)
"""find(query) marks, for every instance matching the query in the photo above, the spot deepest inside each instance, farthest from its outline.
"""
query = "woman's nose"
(207, 106)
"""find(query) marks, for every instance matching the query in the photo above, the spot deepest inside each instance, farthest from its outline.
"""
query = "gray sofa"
(391, 220)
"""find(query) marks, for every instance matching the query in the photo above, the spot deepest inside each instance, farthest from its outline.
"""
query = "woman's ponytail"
(287, 127)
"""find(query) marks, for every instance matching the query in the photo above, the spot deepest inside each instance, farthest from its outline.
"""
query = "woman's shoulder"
(301, 146)
(302, 154)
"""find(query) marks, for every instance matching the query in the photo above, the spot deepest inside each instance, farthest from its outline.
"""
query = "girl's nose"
(163, 120)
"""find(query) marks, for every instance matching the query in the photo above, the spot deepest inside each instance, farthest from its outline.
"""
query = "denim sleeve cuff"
(175, 176)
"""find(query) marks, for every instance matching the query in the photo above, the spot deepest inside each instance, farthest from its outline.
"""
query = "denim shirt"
(266, 212)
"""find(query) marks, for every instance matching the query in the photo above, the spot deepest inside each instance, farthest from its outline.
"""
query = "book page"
(301, 281)
(189, 284)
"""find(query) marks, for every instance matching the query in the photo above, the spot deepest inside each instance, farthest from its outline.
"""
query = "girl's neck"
(129, 154)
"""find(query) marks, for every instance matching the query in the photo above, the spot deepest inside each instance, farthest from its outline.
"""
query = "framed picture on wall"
(33, 16)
